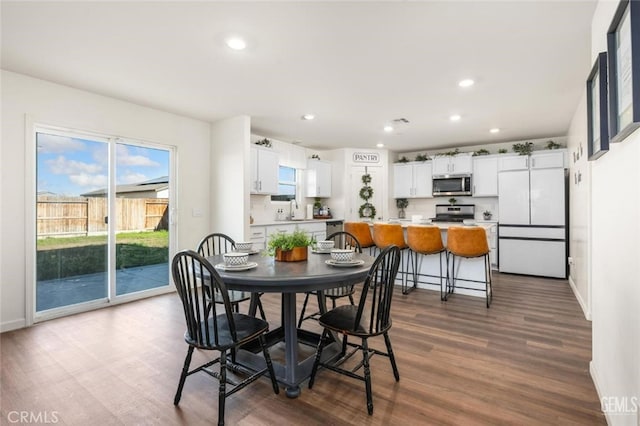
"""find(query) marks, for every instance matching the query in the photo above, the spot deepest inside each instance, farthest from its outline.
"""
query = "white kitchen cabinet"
(513, 162)
(318, 179)
(548, 159)
(412, 180)
(537, 160)
(264, 171)
(459, 164)
(258, 237)
(485, 176)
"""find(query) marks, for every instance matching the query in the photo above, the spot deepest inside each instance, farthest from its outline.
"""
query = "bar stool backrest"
(424, 239)
(467, 241)
(361, 231)
(387, 234)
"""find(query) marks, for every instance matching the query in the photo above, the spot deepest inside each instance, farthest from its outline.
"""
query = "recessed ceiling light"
(455, 117)
(236, 43)
(308, 117)
(388, 128)
(494, 130)
(380, 145)
(467, 82)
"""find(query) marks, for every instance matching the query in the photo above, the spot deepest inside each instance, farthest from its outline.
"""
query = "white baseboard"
(596, 383)
(12, 325)
(585, 309)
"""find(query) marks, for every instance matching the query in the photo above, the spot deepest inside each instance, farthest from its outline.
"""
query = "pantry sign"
(366, 157)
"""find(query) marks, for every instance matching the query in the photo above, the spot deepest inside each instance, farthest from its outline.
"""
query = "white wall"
(53, 104)
(615, 257)
(230, 177)
(579, 216)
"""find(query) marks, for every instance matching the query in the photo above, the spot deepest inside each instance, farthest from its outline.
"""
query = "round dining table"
(267, 275)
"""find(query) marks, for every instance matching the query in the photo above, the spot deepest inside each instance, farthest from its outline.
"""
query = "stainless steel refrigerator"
(533, 221)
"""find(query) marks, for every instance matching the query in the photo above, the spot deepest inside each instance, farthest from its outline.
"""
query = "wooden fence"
(59, 216)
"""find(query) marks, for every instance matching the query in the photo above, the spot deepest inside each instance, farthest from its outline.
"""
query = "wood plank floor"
(524, 361)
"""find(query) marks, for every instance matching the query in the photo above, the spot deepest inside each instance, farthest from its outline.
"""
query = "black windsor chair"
(218, 243)
(370, 318)
(209, 330)
(342, 240)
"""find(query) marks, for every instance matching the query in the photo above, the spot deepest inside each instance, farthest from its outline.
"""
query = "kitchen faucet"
(292, 203)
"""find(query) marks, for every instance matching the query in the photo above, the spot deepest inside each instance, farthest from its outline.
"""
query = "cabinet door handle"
(533, 162)
(260, 188)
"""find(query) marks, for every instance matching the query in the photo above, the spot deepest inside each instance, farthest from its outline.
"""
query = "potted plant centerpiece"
(289, 247)
(401, 204)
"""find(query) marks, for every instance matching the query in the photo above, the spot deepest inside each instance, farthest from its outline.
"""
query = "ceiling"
(355, 65)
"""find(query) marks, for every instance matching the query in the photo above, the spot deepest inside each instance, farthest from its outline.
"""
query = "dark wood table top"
(293, 277)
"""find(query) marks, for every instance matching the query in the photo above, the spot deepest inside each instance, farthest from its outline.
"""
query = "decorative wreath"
(366, 193)
(372, 210)
(366, 179)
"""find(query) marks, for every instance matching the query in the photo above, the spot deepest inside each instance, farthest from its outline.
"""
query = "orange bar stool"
(388, 234)
(424, 241)
(468, 242)
(362, 232)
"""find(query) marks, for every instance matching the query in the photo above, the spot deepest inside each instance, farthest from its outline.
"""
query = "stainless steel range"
(454, 213)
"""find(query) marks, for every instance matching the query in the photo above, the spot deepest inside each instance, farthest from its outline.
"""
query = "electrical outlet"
(570, 260)
(196, 212)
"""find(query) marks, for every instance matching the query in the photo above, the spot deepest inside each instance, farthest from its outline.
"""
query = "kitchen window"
(286, 184)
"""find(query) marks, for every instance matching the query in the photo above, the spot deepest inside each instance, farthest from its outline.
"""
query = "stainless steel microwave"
(451, 185)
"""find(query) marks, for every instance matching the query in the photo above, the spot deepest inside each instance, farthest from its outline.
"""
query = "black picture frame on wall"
(597, 121)
(623, 52)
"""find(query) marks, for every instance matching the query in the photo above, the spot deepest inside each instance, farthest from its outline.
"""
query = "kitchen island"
(468, 271)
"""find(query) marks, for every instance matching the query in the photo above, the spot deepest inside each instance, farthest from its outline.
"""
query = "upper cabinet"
(537, 160)
(264, 171)
(412, 180)
(318, 176)
(485, 176)
(452, 164)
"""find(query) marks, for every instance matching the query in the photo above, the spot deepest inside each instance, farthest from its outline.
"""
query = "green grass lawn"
(147, 239)
(66, 257)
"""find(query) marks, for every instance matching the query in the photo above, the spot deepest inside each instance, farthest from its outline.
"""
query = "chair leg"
(487, 280)
(351, 298)
(183, 375)
(367, 375)
(392, 358)
(267, 359)
(261, 309)
(222, 387)
(440, 258)
(316, 362)
(304, 307)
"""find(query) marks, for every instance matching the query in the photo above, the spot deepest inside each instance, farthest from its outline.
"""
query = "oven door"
(452, 185)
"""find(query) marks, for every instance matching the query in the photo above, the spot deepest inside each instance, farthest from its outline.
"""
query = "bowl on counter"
(244, 246)
(325, 245)
(235, 259)
(342, 255)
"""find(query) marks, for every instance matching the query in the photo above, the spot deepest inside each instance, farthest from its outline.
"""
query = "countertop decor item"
(422, 157)
(401, 204)
(264, 142)
(502, 151)
(487, 215)
(402, 159)
(367, 210)
(481, 152)
(452, 201)
(523, 148)
(552, 145)
(289, 247)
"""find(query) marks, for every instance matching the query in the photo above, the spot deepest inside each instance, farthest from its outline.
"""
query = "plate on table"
(249, 252)
(356, 262)
(246, 266)
(321, 251)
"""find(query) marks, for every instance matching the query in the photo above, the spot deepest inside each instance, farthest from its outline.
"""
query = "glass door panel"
(142, 222)
(72, 237)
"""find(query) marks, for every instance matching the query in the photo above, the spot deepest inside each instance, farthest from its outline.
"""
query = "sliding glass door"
(102, 219)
